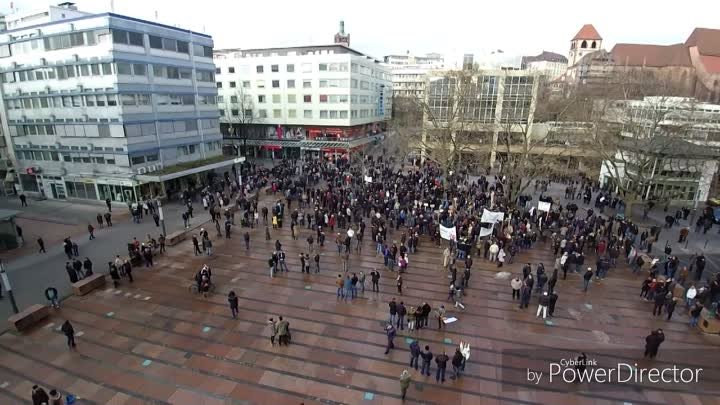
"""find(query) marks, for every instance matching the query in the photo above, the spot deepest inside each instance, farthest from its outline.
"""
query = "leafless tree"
(239, 113)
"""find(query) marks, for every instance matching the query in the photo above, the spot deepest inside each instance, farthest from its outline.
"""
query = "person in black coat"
(71, 272)
(114, 275)
(552, 300)
(39, 396)
(652, 343)
(87, 265)
(69, 333)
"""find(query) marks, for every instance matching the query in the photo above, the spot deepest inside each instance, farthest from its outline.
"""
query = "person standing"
(515, 284)
(375, 278)
(114, 275)
(208, 246)
(652, 343)
(553, 297)
(91, 231)
(39, 396)
(525, 292)
(441, 362)
(246, 238)
(401, 312)
(340, 284)
(283, 331)
(69, 332)
(108, 204)
(19, 231)
(317, 266)
(233, 301)
(427, 357)
(699, 266)
(161, 241)
(41, 243)
(404, 383)
(72, 274)
(88, 267)
(414, 354)
(695, 314)
(440, 315)
(271, 330)
(108, 219)
(457, 362)
(543, 305)
(392, 306)
(399, 282)
(23, 200)
(390, 332)
(196, 245)
(670, 307)
(586, 278)
(659, 303)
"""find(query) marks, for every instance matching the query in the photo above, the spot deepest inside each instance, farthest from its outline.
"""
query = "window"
(206, 76)
(127, 99)
(234, 99)
(274, 68)
(259, 68)
(261, 98)
(235, 112)
(246, 84)
(291, 113)
(323, 98)
(137, 160)
(291, 98)
(322, 67)
(323, 83)
(188, 99)
(276, 84)
(262, 113)
(219, 85)
(183, 47)
(231, 69)
(307, 84)
(290, 68)
(124, 68)
(201, 50)
(106, 68)
(139, 69)
(260, 84)
(307, 114)
(155, 42)
(291, 84)
(233, 85)
(323, 114)
(307, 98)
(333, 114)
(169, 44)
(277, 113)
(276, 99)
(218, 70)
(135, 38)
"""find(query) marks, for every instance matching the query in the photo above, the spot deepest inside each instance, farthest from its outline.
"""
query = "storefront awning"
(175, 172)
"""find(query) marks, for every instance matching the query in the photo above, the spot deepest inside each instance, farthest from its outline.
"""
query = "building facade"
(409, 73)
(301, 101)
(491, 102)
(93, 104)
(548, 64)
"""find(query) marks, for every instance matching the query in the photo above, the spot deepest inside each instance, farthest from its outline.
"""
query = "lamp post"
(8, 287)
(162, 217)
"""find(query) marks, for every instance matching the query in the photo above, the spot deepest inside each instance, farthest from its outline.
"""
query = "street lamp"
(8, 287)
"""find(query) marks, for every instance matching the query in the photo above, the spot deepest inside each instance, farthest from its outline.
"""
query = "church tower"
(586, 41)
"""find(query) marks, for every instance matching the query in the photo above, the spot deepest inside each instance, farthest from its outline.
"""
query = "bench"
(88, 284)
(29, 317)
(174, 238)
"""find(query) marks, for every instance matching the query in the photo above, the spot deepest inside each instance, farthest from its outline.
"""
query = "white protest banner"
(449, 320)
(485, 231)
(544, 206)
(448, 233)
(368, 179)
(490, 217)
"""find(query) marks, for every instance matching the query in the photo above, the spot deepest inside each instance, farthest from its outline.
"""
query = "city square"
(197, 214)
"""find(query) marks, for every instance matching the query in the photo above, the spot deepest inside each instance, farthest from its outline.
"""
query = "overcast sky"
(451, 27)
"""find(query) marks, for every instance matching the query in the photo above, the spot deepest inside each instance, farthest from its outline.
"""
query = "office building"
(97, 106)
(549, 64)
(409, 72)
(301, 101)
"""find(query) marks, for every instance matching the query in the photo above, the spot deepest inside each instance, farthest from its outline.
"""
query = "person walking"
(108, 204)
(161, 241)
(246, 238)
(114, 275)
(108, 219)
(23, 200)
(660, 300)
(414, 353)
(525, 292)
(427, 357)
(41, 243)
(404, 383)
(652, 343)
(670, 307)
(196, 245)
(390, 332)
(441, 362)
(553, 297)
(695, 312)
(399, 282)
(233, 301)
(69, 332)
(271, 330)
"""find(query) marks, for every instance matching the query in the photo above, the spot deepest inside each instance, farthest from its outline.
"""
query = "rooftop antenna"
(112, 6)
(156, 15)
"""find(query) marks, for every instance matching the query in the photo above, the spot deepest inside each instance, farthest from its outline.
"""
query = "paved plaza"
(155, 342)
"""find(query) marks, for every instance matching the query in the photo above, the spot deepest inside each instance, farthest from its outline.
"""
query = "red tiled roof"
(651, 55)
(587, 32)
(711, 63)
(707, 40)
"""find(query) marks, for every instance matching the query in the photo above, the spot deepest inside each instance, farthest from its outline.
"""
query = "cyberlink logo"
(586, 371)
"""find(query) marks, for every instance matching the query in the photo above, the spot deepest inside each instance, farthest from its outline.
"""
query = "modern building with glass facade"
(97, 106)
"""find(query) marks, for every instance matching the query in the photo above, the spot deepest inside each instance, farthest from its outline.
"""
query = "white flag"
(490, 217)
(544, 206)
(485, 231)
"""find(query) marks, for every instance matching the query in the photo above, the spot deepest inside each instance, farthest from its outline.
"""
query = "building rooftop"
(651, 55)
(544, 57)
(587, 31)
(299, 50)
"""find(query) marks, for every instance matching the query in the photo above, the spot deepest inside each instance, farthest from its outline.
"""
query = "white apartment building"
(328, 98)
(550, 64)
(409, 73)
(97, 106)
